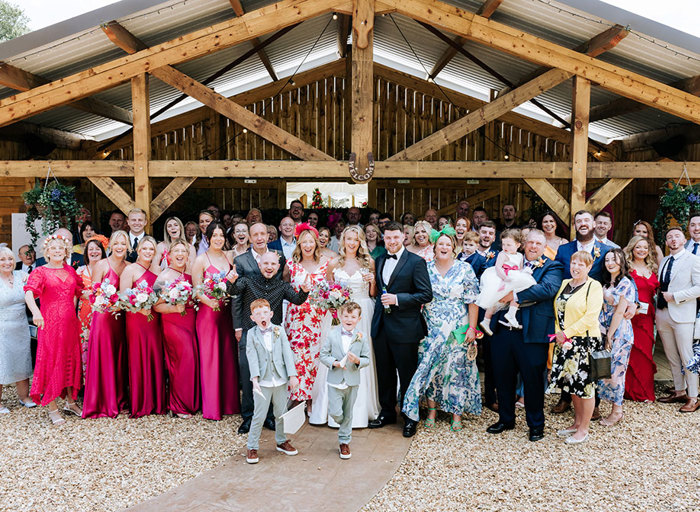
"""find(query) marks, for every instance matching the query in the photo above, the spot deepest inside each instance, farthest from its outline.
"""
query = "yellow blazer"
(581, 315)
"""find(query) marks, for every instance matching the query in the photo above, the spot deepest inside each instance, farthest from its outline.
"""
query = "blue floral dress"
(613, 389)
(445, 374)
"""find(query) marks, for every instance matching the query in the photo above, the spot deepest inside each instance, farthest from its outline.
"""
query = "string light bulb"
(335, 16)
(245, 130)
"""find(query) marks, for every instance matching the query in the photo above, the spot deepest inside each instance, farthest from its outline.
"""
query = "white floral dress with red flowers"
(303, 327)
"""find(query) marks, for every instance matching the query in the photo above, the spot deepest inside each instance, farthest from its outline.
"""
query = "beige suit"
(676, 322)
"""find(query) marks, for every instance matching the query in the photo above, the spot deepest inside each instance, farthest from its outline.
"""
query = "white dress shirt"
(588, 247)
(288, 247)
(346, 340)
(133, 237)
(608, 242)
(257, 255)
(390, 265)
(29, 268)
(267, 341)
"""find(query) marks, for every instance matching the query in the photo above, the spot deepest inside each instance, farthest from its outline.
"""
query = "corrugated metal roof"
(79, 44)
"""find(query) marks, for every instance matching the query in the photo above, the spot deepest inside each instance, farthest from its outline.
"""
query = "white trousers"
(677, 339)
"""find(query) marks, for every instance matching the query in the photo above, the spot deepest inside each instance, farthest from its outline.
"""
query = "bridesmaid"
(179, 338)
(105, 376)
(173, 230)
(217, 360)
(57, 371)
(303, 323)
(144, 340)
(639, 380)
(94, 251)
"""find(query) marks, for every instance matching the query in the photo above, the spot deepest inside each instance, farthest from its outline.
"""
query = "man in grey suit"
(679, 275)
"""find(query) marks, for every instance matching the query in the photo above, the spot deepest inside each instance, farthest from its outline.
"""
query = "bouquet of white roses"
(138, 298)
(176, 292)
(104, 296)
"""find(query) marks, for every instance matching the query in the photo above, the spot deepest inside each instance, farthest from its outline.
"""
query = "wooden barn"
(153, 103)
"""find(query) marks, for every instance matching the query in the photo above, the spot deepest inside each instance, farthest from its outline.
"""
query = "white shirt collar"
(586, 247)
(679, 253)
(256, 255)
(133, 236)
(293, 243)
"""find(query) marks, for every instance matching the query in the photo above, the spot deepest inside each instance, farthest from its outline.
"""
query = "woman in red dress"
(217, 359)
(179, 338)
(144, 340)
(57, 371)
(639, 381)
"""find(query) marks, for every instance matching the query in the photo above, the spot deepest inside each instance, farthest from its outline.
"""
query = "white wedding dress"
(367, 404)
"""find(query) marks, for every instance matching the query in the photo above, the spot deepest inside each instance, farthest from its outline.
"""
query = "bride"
(353, 268)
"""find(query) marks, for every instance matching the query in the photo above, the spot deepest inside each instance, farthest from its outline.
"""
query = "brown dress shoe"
(344, 451)
(596, 414)
(287, 448)
(252, 457)
(671, 398)
(692, 405)
(561, 407)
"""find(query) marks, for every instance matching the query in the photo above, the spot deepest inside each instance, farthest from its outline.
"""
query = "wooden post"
(140, 105)
(362, 81)
(580, 110)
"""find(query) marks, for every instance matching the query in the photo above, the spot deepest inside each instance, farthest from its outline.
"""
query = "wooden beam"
(168, 195)
(474, 200)
(551, 196)
(540, 51)
(580, 103)
(21, 80)
(338, 170)
(606, 193)
(140, 100)
(362, 81)
(488, 8)
(644, 140)
(240, 115)
(114, 193)
(59, 138)
(182, 49)
(262, 54)
(344, 26)
(622, 106)
(482, 116)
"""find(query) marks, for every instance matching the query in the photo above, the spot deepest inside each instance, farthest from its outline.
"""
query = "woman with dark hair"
(408, 219)
(85, 232)
(239, 239)
(552, 229)
(217, 359)
(618, 293)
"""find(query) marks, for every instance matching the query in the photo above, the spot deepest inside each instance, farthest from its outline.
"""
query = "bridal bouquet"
(104, 296)
(176, 293)
(140, 297)
(330, 296)
(214, 287)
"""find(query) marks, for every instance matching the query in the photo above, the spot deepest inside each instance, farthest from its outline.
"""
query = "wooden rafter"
(482, 116)
(580, 108)
(140, 100)
(262, 54)
(239, 114)
(114, 193)
(21, 80)
(59, 138)
(362, 82)
(486, 10)
(534, 49)
(551, 196)
(344, 25)
(606, 193)
(169, 194)
(185, 48)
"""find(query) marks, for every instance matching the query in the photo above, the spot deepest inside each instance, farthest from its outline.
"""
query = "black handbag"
(600, 360)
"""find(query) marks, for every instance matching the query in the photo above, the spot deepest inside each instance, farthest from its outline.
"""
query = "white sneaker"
(486, 327)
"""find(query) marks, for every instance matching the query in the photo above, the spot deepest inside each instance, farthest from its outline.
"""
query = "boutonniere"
(538, 262)
(358, 337)
(596, 252)
(490, 255)
(276, 331)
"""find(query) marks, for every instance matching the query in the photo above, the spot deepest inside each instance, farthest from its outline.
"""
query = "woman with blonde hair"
(354, 269)
(420, 243)
(303, 322)
(105, 374)
(173, 230)
(643, 228)
(639, 380)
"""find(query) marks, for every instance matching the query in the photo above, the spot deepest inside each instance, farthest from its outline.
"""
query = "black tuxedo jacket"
(411, 284)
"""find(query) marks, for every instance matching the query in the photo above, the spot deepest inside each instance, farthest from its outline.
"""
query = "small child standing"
(507, 275)
(345, 350)
(271, 364)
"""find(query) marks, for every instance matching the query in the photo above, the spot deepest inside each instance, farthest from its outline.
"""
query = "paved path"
(316, 479)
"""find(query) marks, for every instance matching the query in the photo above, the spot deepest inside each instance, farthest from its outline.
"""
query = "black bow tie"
(391, 257)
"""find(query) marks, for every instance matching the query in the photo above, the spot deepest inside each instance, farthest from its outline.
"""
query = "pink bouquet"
(104, 296)
(138, 298)
(176, 293)
(330, 296)
(214, 287)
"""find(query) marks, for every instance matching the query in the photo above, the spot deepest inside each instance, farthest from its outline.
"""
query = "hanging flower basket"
(676, 203)
(54, 204)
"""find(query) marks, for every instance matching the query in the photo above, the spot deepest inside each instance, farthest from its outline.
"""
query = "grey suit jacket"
(332, 351)
(259, 358)
(685, 286)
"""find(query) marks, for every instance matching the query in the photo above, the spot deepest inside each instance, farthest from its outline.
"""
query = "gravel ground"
(648, 462)
(103, 464)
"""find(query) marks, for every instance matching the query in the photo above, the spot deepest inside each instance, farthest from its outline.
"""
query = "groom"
(397, 325)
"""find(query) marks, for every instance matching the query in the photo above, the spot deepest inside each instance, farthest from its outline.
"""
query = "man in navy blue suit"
(397, 324)
(585, 241)
(525, 350)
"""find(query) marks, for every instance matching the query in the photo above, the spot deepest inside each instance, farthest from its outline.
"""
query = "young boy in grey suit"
(272, 367)
(344, 352)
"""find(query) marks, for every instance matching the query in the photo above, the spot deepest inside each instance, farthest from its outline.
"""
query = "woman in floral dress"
(446, 376)
(617, 294)
(303, 323)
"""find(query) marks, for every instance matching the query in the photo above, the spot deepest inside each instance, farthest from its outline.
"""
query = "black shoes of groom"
(536, 434)
(409, 427)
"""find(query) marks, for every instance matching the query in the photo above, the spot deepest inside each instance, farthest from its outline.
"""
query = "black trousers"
(390, 358)
(510, 355)
(246, 386)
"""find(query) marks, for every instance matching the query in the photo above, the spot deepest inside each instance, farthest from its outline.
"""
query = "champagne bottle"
(387, 309)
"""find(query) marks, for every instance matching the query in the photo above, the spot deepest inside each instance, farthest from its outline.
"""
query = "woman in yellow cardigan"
(577, 306)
